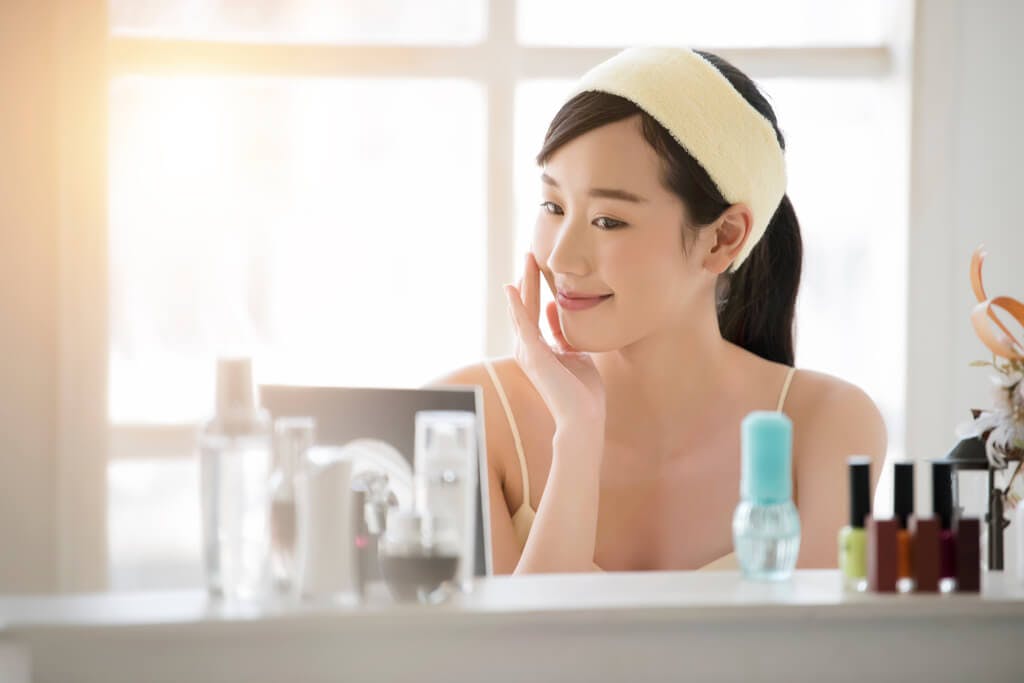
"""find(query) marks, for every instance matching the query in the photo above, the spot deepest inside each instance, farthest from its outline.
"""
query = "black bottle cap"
(860, 489)
(942, 492)
(903, 492)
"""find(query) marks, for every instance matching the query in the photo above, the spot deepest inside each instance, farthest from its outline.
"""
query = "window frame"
(497, 63)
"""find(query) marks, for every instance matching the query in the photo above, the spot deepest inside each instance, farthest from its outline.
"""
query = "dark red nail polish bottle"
(942, 505)
(968, 555)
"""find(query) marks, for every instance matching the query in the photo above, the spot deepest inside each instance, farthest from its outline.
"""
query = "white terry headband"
(730, 139)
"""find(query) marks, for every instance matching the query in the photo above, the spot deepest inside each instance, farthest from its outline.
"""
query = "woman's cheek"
(542, 243)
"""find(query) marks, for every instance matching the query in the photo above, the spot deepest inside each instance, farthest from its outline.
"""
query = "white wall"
(966, 183)
(988, 171)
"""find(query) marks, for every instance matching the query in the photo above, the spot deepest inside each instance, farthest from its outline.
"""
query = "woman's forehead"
(613, 155)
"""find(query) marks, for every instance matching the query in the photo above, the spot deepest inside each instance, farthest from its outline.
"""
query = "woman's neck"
(665, 384)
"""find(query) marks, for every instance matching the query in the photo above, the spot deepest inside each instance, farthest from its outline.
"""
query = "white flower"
(1003, 434)
(997, 438)
(978, 426)
(1001, 394)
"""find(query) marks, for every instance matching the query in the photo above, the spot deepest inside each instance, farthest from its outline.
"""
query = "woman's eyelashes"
(609, 223)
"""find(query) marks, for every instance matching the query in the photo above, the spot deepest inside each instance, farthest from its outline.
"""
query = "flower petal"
(1000, 342)
(977, 261)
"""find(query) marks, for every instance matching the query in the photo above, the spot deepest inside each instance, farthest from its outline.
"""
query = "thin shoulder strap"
(785, 390)
(515, 430)
(778, 409)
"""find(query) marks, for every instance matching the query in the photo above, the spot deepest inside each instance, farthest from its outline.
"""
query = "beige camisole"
(522, 520)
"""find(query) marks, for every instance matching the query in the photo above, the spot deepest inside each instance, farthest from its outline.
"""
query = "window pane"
(304, 21)
(846, 152)
(723, 23)
(846, 155)
(334, 228)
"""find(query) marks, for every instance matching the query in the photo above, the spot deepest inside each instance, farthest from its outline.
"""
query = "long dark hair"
(756, 302)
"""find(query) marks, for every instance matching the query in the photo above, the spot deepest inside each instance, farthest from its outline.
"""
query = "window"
(328, 184)
(399, 22)
(291, 217)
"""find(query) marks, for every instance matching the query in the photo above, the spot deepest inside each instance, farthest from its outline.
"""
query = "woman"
(674, 258)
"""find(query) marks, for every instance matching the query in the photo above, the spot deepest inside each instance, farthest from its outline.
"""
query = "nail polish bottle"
(852, 538)
(766, 524)
(968, 555)
(924, 534)
(942, 507)
(1019, 531)
(903, 508)
(882, 551)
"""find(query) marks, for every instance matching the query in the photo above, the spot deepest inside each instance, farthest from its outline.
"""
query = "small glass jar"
(419, 557)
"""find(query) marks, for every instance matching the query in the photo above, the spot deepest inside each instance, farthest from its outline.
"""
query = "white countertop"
(681, 595)
(641, 626)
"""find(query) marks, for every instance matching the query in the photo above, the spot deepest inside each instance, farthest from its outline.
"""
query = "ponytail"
(757, 303)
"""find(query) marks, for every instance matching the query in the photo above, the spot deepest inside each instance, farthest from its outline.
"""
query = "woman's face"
(591, 242)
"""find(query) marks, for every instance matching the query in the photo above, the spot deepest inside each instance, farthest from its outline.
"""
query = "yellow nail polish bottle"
(853, 538)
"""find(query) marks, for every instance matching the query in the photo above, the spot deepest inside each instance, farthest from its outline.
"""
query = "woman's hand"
(566, 379)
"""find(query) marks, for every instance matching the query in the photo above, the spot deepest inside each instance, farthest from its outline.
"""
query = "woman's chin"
(590, 343)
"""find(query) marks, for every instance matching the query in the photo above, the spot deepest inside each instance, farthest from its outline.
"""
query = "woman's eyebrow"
(607, 193)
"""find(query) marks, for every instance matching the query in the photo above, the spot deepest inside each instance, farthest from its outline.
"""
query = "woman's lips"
(579, 304)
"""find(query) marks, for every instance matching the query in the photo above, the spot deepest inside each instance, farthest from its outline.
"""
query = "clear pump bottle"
(235, 458)
(445, 477)
(765, 525)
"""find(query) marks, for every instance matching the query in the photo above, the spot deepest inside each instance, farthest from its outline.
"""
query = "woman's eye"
(609, 223)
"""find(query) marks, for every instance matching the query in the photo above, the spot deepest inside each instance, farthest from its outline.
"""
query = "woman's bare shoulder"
(476, 374)
(827, 408)
(516, 387)
(815, 392)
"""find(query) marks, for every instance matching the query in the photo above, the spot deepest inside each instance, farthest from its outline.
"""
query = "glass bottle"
(853, 541)
(445, 476)
(943, 508)
(235, 457)
(903, 510)
(293, 436)
(765, 525)
(419, 557)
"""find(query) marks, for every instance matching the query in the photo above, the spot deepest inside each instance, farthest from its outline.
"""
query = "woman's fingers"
(531, 288)
(556, 328)
(531, 345)
(527, 330)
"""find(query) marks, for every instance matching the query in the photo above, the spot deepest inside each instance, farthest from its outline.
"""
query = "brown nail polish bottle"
(882, 552)
(924, 556)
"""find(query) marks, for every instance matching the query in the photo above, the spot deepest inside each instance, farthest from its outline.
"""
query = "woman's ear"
(731, 231)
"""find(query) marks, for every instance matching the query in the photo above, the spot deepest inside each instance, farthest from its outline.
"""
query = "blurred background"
(341, 187)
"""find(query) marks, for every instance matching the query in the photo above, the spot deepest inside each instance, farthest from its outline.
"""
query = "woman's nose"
(570, 251)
